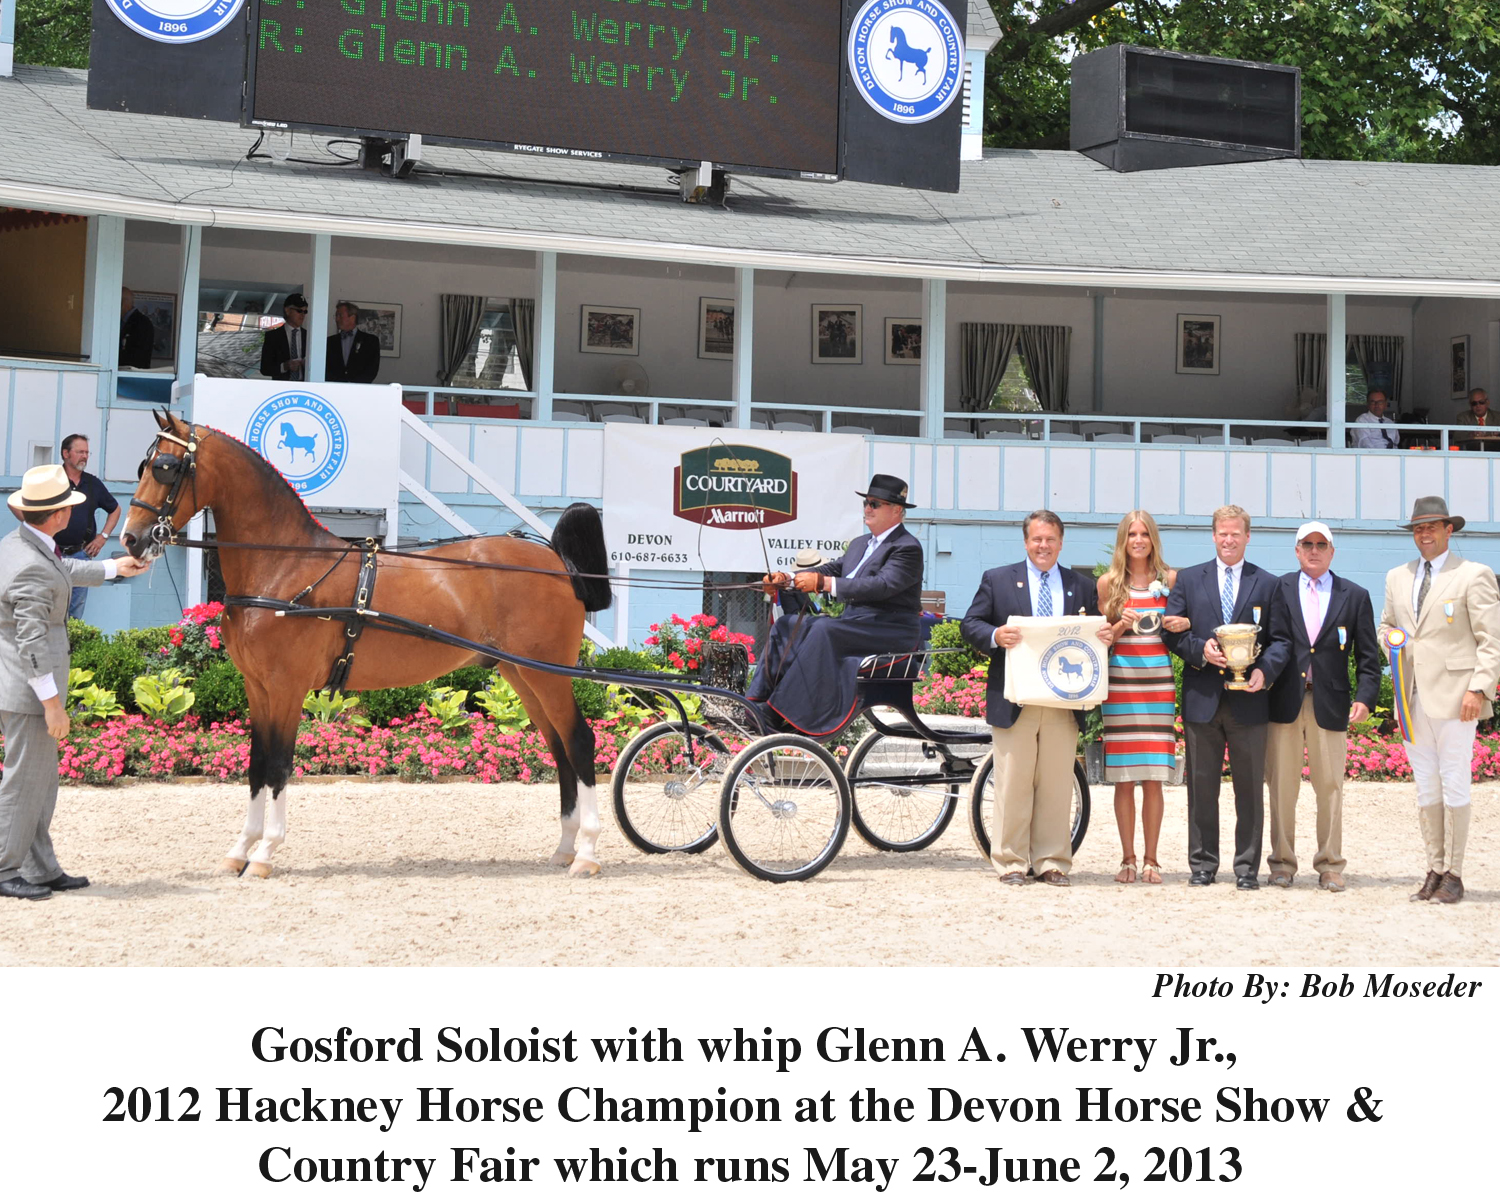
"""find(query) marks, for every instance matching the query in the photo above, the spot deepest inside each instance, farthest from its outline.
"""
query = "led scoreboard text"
(750, 83)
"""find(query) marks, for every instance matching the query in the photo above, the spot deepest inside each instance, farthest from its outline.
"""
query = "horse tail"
(578, 539)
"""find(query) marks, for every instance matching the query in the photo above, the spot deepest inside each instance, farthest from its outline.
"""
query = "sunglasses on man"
(1311, 545)
(874, 505)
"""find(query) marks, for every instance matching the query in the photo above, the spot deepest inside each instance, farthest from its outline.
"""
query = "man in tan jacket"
(1449, 612)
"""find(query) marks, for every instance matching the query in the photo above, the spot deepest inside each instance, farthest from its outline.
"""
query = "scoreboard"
(751, 83)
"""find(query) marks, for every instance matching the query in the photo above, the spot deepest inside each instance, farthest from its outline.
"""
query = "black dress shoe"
(1247, 883)
(65, 883)
(1200, 878)
(19, 889)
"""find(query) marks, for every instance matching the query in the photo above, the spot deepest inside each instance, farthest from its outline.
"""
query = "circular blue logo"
(176, 20)
(1071, 668)
(907, 58)
(302, 436)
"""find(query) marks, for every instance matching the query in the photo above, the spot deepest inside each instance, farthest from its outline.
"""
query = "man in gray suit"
(36, 583)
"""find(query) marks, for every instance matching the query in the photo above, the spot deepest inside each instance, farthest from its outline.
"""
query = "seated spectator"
(1478, 414)
(1368, 433)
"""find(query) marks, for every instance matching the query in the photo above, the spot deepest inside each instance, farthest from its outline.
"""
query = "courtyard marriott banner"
(691, 498)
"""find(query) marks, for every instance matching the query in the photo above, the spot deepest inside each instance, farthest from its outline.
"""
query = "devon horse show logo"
(907, 58)
(302, 436)
(1071, 668)
(176, 20)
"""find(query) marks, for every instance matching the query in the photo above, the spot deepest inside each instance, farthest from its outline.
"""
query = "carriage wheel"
(664, 799)
(982, 805)
(904, 792)
(784, 808)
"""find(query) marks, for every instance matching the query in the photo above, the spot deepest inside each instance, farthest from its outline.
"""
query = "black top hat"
(887, 488)
(1429, 508)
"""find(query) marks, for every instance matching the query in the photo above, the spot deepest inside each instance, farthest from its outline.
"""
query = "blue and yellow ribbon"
(1395, 642)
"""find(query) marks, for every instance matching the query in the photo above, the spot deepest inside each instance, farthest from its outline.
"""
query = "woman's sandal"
(1150, 872)
(1127, 871)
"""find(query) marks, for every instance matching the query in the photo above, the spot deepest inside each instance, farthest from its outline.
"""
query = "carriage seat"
(906, 667)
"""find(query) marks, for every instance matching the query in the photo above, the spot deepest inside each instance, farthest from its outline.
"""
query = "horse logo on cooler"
(1071, 668)
(906, 58)
(302, 436)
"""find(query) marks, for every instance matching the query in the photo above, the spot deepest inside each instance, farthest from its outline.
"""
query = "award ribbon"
(1395, 641)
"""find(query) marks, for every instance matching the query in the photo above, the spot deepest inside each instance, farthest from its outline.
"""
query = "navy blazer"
(364, 359)
(891, 581)
(1005, 593)
(1196, 597)
(1350, 609)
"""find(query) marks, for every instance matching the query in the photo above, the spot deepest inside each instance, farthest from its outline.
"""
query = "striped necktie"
(1226, 598)
(1425, 588)
(1044, 596)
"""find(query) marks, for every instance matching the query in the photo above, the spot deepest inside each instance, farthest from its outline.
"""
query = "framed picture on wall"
(903, 341)
(161, 310)
(1458, 360)
(715, 328)
(836, 333)
(384, 321)
(1197, 345)
(609, 330)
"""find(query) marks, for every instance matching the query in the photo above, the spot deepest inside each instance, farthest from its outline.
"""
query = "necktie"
(869, 550)
(57, 550)
(1311, 612)
(1044, 597)
(294, 348)
(1425, 588)
(1226, 598)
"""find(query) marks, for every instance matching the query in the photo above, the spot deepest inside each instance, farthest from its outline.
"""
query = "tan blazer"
(1448, 656)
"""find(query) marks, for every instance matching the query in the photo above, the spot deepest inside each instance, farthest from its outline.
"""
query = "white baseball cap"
(1308, 527)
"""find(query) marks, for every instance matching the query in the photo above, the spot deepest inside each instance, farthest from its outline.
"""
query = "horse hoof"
(259, 870)
(560, 860)
(233, 866)
(582, 868)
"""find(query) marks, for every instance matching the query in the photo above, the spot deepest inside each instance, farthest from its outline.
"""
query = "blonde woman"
(1140, 715)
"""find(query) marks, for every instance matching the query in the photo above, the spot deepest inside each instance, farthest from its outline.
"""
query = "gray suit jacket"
(34, 589)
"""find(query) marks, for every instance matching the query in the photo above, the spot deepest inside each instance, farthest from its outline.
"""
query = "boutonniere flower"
(1158, 590)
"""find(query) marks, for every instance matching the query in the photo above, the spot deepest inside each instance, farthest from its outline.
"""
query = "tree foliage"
(53, 33)
(1381, 79)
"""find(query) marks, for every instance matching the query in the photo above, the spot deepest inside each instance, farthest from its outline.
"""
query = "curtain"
(459, 321)
(1369, 348)
(523, 319)
(1044, 350)
(984, 350)
(1312, 369)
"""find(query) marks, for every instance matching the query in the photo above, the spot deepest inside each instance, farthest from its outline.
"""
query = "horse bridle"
(172, 471)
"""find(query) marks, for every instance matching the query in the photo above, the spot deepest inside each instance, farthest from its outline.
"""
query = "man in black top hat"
(807, 673)
(283, 355)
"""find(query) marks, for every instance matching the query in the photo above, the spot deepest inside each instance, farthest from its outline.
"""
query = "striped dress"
(1140, 739)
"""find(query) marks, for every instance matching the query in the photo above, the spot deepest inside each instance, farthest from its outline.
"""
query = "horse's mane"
(271, 477)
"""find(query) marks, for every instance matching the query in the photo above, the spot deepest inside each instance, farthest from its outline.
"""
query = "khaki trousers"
(1034, 791)
(1326, 761)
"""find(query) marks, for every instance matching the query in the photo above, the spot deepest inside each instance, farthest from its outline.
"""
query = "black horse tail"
(578, 539)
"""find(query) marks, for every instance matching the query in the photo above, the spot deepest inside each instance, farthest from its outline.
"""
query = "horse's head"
(166, 496)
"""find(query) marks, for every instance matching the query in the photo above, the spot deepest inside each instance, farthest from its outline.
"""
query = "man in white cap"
(1330, 619)
(35, 585)
(1442, 613)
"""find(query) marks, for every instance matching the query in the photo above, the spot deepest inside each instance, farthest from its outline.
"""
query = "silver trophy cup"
(1241, 647)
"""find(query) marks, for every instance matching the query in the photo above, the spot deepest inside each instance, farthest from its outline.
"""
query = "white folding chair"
(1005, 435)
(623, 419)
(959, 433)
(1313, 442)
(852, 429)
(793, 427)
(684, 421)
(1200, 432)
(1273, 442)
(1097, 427)
(1179, 439)
(1114, 437)
(1066, 437)
(759, 425)
(567, 414)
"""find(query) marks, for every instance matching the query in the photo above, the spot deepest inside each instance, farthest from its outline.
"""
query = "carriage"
(307, 610)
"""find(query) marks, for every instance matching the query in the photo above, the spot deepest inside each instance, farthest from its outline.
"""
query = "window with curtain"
(1015, 393)
(491, 360)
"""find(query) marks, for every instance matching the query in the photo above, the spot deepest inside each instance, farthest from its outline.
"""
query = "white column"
(744, 344)
(187, 316)
(934, 355)
(544, 350)
(7, 36)
(103, 277)
(318, 306)
(1336, 368)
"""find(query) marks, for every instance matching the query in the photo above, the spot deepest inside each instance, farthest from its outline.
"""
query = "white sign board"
(337, 444)
(691, 498)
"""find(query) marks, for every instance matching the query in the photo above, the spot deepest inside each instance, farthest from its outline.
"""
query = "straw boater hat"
(43, 489)
(887, 488)
(1432, 508)
(809, 560)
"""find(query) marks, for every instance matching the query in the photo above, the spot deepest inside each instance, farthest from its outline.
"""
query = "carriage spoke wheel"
(784, 808)
(982, 806)
(904, 792)
(666, 796)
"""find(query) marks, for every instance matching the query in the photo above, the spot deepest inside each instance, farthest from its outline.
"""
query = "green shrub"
(385, 704)
(115, 666)
(221, 693)
(81, 633)
(946, 636)
(466, 679)
(148, 641)
(593, 698)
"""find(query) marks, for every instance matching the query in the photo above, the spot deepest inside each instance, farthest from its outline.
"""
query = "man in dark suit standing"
(1034, 745)
(137, 334)
(283, 355)
(1225, 591)
(807, 673)
(1329, 619)
(353, 356)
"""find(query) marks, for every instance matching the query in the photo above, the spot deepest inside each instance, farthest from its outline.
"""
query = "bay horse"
(535, 611)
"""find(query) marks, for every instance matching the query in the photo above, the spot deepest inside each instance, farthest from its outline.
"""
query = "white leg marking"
(275, 833)
(255, 819)
(586, 862)
(564, 855)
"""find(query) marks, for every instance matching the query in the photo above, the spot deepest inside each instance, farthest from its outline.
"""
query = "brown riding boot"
(1428, 888)
(1456, 823)
(1430, 821)
(1451, 890)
